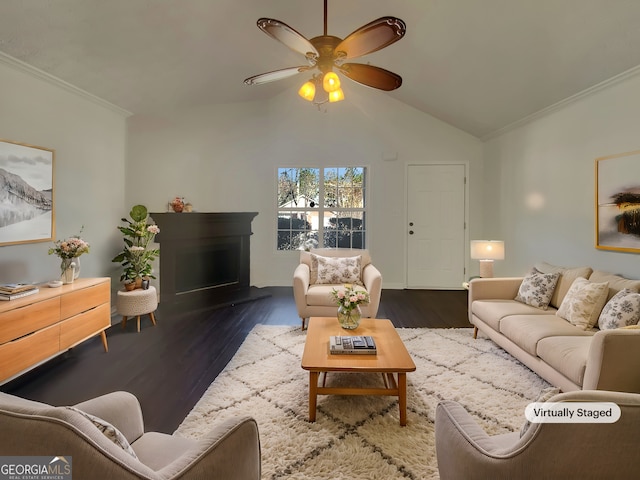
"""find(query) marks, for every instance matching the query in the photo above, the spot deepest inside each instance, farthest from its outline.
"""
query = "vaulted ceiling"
(479, 65)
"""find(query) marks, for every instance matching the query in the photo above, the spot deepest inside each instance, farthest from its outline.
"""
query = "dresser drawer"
(22, 321)
(84, 299)
(79, 327)
(27, 351)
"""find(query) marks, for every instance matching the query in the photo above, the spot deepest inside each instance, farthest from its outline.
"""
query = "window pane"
(296, 231)
(298, 187)
(344, 187)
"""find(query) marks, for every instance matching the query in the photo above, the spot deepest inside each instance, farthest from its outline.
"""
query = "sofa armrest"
(230, 451)
(301, 278)
(372, 279)
(501, 288)
(614, 361)
(120, 409)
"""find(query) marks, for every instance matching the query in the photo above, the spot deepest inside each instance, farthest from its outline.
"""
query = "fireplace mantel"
(204, 257)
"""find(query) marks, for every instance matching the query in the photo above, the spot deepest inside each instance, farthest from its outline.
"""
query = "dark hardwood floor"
(169, 367)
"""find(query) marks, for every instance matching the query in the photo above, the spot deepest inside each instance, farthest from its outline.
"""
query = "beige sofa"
(231, 450)
(547, 450)
(565, 355)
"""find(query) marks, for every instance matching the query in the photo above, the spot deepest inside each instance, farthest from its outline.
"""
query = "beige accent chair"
(314, 300)
(546, 450)
(230, 451)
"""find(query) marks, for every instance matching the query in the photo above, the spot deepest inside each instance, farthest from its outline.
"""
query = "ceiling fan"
(326, 53)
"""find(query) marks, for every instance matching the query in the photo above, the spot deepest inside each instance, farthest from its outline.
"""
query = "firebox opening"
(208, 266)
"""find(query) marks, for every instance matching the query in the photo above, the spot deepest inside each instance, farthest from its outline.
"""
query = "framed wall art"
(618, 202)
(26, 194)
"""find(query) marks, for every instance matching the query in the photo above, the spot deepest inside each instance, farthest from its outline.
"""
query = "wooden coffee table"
(392, 361)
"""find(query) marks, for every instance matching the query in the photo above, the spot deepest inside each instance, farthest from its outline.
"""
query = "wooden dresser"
(38, 327)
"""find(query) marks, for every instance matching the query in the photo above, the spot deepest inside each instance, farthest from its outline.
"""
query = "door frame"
(465, 164)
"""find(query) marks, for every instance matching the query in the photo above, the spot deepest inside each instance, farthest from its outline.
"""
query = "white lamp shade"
(487, 249)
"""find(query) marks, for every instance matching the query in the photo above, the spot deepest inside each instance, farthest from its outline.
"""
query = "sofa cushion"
(537, 288)
(527, 330)
(305, 257)
(567, 276)
(568, 355)
(492, 311)
(157, 450)
(320, 295)
(108, 430)
(622, 310)
(583, 303)
(616, 282)
(336, 270)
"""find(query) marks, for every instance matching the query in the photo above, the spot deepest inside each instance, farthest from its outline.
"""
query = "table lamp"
(487, 251)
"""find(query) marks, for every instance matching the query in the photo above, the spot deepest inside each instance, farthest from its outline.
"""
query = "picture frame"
(617, 183)
(27, 196)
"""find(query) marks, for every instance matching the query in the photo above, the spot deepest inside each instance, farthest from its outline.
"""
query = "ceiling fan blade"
(289, 37)
(371, 76)
(371, 37)
(275, 75)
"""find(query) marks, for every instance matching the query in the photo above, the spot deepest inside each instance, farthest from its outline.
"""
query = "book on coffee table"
(352, 345)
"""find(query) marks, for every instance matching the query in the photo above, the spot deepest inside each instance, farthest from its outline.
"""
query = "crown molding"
(42, 75)
(632, 72)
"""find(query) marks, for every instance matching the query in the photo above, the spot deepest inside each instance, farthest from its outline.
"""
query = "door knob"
(410, 232)
(411, 224)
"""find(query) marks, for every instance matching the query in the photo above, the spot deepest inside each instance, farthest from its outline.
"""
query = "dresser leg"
(103, 336)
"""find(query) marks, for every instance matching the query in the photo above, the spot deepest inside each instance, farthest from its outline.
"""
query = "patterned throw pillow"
(537, 288)
(336, 270)
(583, 303)
(621, 311)
(109, 431)
(544, 396)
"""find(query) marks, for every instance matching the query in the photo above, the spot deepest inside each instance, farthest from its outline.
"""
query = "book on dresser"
(352, 345)
(10, 288)
(20, 292)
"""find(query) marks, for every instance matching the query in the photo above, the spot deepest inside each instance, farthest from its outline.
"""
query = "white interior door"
(436, 226)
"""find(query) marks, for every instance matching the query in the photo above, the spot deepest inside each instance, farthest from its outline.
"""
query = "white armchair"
(314, 299)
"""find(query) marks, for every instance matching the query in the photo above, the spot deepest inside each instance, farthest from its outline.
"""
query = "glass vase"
(349, 319)
(70, 268)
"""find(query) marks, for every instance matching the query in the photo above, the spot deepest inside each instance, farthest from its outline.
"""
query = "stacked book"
(352, 345)
(11, 291)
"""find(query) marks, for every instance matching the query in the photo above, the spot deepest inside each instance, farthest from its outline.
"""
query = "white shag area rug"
(359, 437)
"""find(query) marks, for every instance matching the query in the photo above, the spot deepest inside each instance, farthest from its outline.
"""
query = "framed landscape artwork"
(26, 194)
(618, 202)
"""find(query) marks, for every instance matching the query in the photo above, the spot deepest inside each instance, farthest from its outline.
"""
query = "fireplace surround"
(204, 258)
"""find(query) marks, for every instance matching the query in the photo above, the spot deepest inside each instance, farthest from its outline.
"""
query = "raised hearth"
(204, 258)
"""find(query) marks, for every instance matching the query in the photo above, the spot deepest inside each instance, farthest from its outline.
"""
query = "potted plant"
(137, 257)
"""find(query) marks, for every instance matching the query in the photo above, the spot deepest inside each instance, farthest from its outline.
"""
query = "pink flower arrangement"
(349, 298)
(71, 247)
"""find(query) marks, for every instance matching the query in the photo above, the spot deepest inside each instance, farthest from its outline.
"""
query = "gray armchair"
(546, 450)
(230, 451)
(314, 300)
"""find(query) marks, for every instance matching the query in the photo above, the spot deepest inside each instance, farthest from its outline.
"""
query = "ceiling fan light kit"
(326, 53)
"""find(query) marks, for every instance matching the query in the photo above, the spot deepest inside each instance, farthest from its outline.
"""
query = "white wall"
(89, 140)
(540, 182)
(224, 158)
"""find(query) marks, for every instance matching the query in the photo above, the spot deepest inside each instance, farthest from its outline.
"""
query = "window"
(321, 207)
